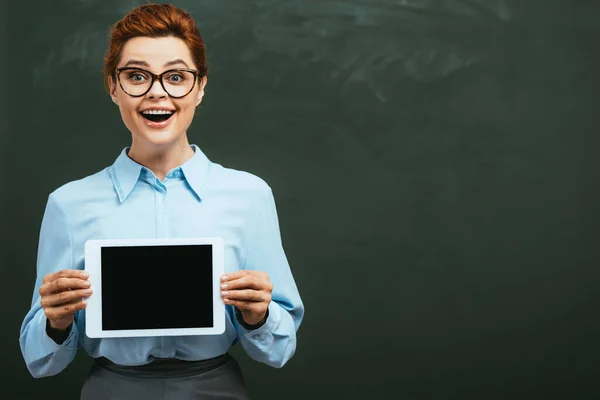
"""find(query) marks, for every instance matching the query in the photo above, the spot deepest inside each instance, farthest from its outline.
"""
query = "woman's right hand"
(62, 294)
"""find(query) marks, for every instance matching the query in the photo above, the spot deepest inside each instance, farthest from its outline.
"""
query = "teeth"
(157, 112)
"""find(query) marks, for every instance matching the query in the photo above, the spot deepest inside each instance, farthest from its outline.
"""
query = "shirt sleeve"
(274, 343)
(43, 356)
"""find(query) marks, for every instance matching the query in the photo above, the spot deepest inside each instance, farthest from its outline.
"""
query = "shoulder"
(246, 183)
(83, 190)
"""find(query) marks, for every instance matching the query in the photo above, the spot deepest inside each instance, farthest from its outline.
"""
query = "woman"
(161, 186)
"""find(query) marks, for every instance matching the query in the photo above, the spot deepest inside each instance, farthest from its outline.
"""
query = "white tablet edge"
(93, 314)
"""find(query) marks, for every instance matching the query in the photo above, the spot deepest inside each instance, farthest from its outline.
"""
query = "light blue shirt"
(198, 199)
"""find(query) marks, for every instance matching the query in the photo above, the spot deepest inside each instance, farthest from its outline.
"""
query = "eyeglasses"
(136, 82)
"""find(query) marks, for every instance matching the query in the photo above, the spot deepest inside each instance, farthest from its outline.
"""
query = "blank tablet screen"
(157, 287)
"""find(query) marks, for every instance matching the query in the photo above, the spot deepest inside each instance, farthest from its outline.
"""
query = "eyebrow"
(145, 64)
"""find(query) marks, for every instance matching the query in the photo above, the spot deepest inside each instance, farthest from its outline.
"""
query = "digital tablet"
(154, 287)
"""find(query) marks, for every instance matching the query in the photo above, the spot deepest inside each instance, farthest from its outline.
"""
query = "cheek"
(126, 115)
(129, 116)
(186, 114)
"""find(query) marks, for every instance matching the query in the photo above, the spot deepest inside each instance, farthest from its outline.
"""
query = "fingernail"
(225, 293)
(87, 283)
(224, 286)
(89, 291)
(224, 277)
(85, 275)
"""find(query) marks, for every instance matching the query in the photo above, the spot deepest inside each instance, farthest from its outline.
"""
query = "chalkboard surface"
(434, 163)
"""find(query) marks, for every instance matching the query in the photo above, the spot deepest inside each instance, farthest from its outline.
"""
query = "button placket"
(159, 212)
(160, 217)
(167, 346)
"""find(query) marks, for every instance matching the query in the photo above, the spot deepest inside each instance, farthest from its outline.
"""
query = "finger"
(248, 282)
(246, 295)
(252, 306)
(65, 297)
(62, 284)
(242, 273)
(62, 311)
(66, 273)
(244, 282)
(234, 275)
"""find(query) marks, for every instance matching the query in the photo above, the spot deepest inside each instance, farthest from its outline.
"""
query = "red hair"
(154, 20)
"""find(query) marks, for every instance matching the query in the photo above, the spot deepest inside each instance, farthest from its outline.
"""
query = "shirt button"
(256, 336)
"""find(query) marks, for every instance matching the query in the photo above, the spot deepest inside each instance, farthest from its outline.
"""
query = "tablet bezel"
(93, 311)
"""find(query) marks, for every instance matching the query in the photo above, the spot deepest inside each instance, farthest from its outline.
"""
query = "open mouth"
(156, 115)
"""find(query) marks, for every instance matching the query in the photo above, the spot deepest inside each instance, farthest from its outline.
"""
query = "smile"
(157, 118)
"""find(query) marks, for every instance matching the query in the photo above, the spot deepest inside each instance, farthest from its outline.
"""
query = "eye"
(178, 77)
(175, 77)
(137, 76)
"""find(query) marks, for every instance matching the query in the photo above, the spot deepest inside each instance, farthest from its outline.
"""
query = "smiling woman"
(171, 102)
(162, 186)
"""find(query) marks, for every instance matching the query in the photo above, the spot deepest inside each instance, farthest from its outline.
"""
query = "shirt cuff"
(274, 315)
(248, 327)
(48, 345)
(59, 336)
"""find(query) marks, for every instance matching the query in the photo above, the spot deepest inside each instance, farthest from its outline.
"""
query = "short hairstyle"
(154, 20)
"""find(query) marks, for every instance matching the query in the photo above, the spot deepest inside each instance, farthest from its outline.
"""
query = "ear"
(112, 89)
(201, 91)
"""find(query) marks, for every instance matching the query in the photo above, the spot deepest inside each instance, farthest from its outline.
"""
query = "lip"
(161, 124)
(158, 108)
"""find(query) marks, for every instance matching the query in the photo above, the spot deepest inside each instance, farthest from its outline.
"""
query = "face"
(156, 55)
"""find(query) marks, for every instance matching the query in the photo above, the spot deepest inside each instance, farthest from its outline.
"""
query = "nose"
(156, 91)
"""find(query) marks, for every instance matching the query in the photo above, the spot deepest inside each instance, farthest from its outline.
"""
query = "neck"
(161, 159)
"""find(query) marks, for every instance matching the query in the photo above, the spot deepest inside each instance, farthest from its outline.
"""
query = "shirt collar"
(125, 173)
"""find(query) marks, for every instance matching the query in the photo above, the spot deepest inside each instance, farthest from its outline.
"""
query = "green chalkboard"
(435, 166)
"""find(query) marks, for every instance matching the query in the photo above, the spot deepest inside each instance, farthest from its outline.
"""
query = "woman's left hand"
(249, 291)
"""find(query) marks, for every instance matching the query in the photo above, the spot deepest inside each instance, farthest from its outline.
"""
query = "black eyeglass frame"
(156, 77)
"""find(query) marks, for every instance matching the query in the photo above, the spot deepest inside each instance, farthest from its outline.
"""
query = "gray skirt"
(218, 378)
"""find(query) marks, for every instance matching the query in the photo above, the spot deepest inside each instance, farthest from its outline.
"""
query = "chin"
(160, 139)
